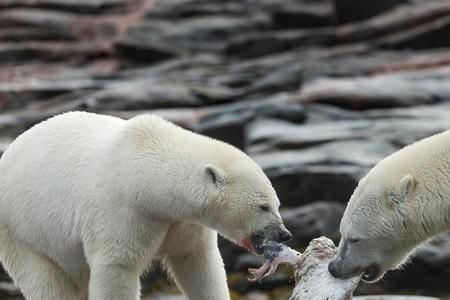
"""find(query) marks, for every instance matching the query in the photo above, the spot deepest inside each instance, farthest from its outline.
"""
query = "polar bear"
(403, 201)
(88, 202)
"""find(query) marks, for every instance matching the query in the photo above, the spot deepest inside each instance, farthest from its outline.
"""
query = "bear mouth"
(372, 273)
(253, 243)
(257, 240)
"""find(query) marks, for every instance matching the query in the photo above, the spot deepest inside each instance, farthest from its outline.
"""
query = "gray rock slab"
(79, 6)
(312, 220)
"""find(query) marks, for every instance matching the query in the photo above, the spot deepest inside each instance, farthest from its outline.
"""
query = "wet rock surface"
(316, 91)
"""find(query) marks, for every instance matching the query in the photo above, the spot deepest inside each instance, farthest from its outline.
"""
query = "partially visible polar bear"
(88, 202)
(403, 201)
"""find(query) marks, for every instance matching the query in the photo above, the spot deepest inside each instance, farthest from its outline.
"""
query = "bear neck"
(181, 191)
(432, 215)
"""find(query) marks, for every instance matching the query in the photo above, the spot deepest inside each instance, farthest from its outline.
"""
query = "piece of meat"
(313, 281)
(276, 254)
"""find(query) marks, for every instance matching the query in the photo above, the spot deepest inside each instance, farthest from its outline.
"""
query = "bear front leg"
(38, 277)
(113, 282)
(196, 264)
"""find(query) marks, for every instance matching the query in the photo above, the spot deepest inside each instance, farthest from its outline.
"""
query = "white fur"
(88, 202)
(403, 201)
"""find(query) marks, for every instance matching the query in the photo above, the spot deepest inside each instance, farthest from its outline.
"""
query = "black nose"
(333, 269)
(285, 236)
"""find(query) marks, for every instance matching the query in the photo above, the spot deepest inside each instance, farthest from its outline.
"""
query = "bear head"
(242, 204)
(383, 222)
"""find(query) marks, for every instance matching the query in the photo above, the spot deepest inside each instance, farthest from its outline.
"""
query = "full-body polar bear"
(88, 202)
(403, 201)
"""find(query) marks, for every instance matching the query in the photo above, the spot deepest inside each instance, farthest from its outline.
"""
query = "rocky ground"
(316, 91)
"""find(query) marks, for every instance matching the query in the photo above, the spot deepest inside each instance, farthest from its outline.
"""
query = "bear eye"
(264, 207)
(353, 240)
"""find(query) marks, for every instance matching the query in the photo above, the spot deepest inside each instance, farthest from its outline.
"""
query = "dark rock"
(347, 11)
(142, 50)
(8, 289)
(436, 252)
(55, 24)
(302, 16)
(288, 79)
(228, 122)
(181, 68)
(313, 220)
(4, 143)
(150, 277)
(69, 52)
(299, 185)
(230, 131)
(13, 53)
(190, 35)
(435, 34)
(402, 18)
(3, 275)
(193, 8)
(258, 77)
(28, 34)
(230, 252)
(287, 71)
(406, 17)
(10, 126)
(249, 260)
(78, 6)
(258, 44)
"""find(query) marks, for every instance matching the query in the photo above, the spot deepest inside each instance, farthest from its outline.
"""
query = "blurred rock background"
(316, 91)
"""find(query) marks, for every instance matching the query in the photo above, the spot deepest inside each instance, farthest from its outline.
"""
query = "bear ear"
(406, 185)
(215, 175)
(400, 193)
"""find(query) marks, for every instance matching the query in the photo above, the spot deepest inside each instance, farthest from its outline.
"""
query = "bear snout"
(284, 236)
(333, 269)
(369, 273)
(336, 269)
(372, 273)
(277, 233)
(272, 232)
